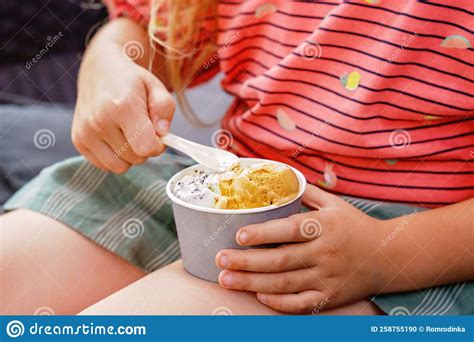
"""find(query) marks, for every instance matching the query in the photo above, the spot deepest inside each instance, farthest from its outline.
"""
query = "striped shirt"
(369, 98)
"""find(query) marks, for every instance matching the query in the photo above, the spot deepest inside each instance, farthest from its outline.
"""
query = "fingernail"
(243, 237)
(227, 279)
(224, 261)
(154, 121)
(262, 297)
(162, 126)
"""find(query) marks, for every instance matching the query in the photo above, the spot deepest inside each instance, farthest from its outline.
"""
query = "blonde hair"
(184, 32)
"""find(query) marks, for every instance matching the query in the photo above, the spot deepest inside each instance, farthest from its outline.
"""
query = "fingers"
(162, 126)
(286, 282)
(124, 123)
(152, 115)
(161, 105)
(316, 198)
(291, 229)
(137, 127)
(281, 259)
(310, 301)
(141, 136)
(108, 159)
(121, 147)
(93, 159)
(96, 150)
(87, 153)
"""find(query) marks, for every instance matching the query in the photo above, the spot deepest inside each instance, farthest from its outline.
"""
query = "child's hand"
(120, 108)
(329, 258)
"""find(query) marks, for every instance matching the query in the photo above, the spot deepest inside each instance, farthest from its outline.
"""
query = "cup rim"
(299, 175)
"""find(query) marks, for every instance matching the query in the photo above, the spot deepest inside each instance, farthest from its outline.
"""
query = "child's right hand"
(121, 111)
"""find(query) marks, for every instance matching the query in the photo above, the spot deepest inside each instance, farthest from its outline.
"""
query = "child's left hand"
(330, 257)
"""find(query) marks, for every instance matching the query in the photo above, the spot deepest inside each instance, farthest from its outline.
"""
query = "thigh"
(173, 291)
(46, 266)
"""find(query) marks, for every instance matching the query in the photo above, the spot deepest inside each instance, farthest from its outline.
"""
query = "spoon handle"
(178, 143)
(210, 157)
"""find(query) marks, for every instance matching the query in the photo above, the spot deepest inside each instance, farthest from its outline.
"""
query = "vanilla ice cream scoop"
(241, 187)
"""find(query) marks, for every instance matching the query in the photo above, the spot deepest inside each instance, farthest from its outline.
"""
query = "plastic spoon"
(210, 157)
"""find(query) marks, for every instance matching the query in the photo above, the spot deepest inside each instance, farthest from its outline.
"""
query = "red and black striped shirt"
(370, 98)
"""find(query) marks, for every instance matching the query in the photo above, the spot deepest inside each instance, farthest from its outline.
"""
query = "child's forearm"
(428, 248)
(129, 38)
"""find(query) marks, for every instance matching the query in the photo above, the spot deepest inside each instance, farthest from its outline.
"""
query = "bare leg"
(47, 266)
(173, 291)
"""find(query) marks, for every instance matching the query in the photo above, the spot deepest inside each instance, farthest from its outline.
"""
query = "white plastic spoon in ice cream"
(210, 157)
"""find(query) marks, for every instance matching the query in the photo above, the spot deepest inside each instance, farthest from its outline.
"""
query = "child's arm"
(337, 255)
(429, 248)
(125, 36)
(120, 104)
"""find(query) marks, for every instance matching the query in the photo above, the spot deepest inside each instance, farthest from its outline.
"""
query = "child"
(371, 100)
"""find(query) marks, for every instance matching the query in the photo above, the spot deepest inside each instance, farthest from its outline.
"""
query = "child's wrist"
(389, 257)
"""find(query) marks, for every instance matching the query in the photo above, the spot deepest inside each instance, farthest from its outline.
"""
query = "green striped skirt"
(131, 216)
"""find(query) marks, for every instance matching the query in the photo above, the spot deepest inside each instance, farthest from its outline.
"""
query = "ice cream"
(241, 187)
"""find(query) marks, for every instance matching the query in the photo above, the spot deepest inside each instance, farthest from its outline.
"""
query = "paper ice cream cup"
(203, 232)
